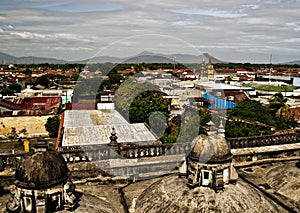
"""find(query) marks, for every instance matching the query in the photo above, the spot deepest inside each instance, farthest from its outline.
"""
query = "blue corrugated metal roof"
(218, 102)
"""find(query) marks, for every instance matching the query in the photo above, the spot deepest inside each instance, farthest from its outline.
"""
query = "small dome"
(41, 170)
(210, 149)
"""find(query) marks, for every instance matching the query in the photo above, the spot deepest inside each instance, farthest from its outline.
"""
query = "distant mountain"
(146, 57)
(212, 58)
(292, 62)
(9, 59)
(149, 57)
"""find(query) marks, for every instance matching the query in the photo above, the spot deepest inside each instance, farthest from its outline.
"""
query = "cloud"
(63, 6)
(292, 40)
(66, 36)
(214, 12)
(73, 28)
(294, 25)
(185, 23)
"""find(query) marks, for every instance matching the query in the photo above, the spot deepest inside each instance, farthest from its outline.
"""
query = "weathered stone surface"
(41, 170)
(280, 179)
(284, 178)
(170, 194)
(211, 149)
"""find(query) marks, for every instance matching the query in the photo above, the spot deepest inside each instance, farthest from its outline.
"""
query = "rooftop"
(90, 127)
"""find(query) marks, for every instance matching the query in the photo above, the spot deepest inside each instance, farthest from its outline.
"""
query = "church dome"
(171, 194)
(41, 170)
(210, 149)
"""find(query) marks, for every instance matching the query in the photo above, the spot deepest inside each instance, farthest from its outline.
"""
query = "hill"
(292, 62)
(143, 57)
(9, 59)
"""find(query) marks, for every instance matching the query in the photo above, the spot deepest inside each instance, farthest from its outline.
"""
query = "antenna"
(270, 69)
(174, 61)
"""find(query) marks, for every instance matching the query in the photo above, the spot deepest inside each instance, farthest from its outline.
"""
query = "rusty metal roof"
(89, 127)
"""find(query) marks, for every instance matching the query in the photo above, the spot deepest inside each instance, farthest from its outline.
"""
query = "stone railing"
(266, 140)
(103, 152)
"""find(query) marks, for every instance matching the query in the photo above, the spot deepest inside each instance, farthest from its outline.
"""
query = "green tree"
(52, 126)
(27, 72)
(251, 110)
(192, 124)
(16, 87)
(7, 91)
(147, 103)
(74, 77)
(184, 128)
(115, 78)
(279, 107)
(43, 80)
(242, 120)
(126, 94)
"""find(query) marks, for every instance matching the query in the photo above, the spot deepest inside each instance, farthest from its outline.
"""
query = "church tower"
(203, 71)
(210, 71)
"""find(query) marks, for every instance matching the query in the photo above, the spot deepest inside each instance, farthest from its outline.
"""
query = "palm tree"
(279, 107)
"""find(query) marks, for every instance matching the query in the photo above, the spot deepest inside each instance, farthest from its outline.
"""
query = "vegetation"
(184, 128)
(279, 108)
(127, 92)
(250, 117)
(15, 87)
(6, 92)
(52, 126)
(272, 88)
(10, 89)
(147, 103)
(281, 111)
(12, 134)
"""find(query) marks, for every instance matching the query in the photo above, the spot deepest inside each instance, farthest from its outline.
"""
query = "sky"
(230, 30)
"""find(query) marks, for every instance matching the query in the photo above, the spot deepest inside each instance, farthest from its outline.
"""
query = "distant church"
(207, 71)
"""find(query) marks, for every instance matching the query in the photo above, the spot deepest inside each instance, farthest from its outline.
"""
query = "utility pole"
(270, 69)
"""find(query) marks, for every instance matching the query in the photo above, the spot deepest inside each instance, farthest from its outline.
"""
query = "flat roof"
(90, 127)
(80, 118)
(220, 86)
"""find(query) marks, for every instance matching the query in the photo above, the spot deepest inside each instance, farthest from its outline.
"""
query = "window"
(205, 175)
(28, 204)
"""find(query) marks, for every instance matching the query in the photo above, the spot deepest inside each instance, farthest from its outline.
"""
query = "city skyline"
(244, 31)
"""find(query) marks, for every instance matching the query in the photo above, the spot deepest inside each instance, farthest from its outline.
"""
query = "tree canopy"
(52, 126)
(279, 108)
(252, 110)
(128, 91)
(248, 118)
(251, 117)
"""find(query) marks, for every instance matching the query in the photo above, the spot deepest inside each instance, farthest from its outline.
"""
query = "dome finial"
(113, 141)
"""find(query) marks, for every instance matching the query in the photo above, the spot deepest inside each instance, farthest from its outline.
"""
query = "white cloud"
(185, 23)
(294, 25)
(33, 35)
(214, 12)
(229, 26)
(292, 40)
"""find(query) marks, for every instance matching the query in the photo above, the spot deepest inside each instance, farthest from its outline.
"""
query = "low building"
(94, 127)
(31, 106)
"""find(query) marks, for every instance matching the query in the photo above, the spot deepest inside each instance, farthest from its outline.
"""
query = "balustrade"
(257, 141)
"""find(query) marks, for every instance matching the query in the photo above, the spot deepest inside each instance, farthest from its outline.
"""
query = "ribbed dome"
(171, 194)
(41, 170)
(210, 149)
